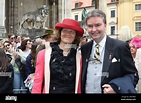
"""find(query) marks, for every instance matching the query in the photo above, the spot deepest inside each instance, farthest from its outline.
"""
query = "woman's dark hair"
(23, 44)
(3, 60)
(33, 51)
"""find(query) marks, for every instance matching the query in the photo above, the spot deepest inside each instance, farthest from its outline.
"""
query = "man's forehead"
(94, 23)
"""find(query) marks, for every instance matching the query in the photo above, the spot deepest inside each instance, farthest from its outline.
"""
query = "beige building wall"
(127, 15)
(125, 10)
(103, 5)
(136, 17)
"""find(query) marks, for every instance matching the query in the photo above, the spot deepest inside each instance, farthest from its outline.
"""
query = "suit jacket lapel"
(107, 57)
(88, 51)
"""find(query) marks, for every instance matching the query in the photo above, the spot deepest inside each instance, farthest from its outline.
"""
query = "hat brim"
(43, 36)
(48, 32)
(78, 29)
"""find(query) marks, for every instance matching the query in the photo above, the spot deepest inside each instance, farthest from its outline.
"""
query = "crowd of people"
(64, 60)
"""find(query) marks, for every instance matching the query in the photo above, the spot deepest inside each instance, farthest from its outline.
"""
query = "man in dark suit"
(110, 67)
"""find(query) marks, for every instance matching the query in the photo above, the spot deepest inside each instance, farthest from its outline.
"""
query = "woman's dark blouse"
(6, 82)
(29, 67)
(62, 70)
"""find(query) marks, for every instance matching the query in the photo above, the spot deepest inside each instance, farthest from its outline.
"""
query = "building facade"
(21, 11)
(119, 13)
(80, 8)
(112, 18)
(129, 13)
(123, 13)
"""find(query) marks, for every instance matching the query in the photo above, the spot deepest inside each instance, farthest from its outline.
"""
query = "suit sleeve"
(128, 65)
(128, 79)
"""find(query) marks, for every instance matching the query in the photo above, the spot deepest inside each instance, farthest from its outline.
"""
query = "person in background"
(49, 36)
(1, 42)
(25, 49)
(83, 40)
(135, 48)
(38, 41)
(30, 67)
(7, 74)
(20, 60)
(7, 46)
(107, 63)
(58, 66)
(125, 34)
(138, 66)
(18, 41)
(25, 38)
(12, 54)
(12, 39)
(30, 59)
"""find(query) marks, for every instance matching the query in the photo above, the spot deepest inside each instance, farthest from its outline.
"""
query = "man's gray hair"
(96, 13)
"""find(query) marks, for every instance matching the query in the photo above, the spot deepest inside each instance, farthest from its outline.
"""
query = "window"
(76, 17)
(138, 7)
(76, 5)
(138, 26)
(112, 30)
(112, 13)
(113, 0)
(93, 2)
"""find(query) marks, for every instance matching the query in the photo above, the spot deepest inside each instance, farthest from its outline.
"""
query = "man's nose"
(93, 28)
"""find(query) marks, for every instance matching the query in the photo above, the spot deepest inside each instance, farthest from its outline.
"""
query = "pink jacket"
(41, 84)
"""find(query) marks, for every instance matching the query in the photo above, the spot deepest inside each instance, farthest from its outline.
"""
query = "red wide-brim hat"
(70, 24)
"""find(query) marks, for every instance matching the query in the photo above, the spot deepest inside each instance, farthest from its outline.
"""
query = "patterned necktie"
(97, 54)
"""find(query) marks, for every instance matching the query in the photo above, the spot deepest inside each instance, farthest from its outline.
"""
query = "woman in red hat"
(58, 66)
